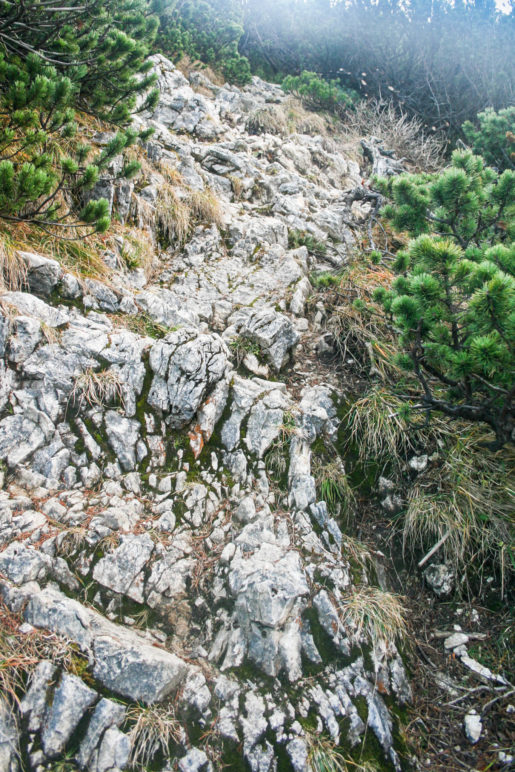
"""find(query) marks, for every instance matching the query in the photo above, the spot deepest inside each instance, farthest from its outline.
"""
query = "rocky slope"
(158, 515)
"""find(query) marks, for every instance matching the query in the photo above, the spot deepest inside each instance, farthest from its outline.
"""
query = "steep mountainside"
(175, 574)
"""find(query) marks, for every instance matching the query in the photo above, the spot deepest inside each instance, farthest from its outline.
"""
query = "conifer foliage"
(493, 137)
(54, 59)
(453, 302)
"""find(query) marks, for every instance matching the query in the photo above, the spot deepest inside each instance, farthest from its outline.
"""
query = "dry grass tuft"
(176, 215)
(80, 256)
(466, 496)
(170, 173)
(70, 542)
(102, 389)
(290, 117)
(303, 121)
(359, 331)
(13, 269)
(188, 66)
(371, 613)
(268, 120)
(21, 652)
(333, 486)
(405, 136)
(173, 216)
(379, 428)
(277, 457)
(153, 730)
(50, 334)
(324, 756)
(205, 207)
(137, 251)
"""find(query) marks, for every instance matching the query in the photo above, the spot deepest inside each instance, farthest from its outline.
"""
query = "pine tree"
(209, 30)
(319, 94)
(494, 137)
(453, 302)
(58, 59)
(101, 45)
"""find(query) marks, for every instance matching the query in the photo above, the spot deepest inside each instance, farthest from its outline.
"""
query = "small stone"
(473, 727)
(195, 761)
(458, 639)
(42, 274)
(246, 511)
(228, 553)
(114, 751)
(26, 629)
(106, 714)
(123, 435)
(440, 578)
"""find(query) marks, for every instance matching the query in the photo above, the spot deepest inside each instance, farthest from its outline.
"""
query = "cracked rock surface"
(159, 519)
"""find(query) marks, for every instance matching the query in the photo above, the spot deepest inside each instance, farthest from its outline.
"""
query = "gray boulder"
(21, 435)
(33, 705)
(114, 752)
(26, 334)
(43, 275)
(123, 435)
(272, 331)
(187, 367)
(71, 699)
(123, 660)
(22, 564)
(119, 570)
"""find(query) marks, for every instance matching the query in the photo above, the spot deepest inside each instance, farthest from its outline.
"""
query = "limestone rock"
(21, 435)
(272, 331)
(195, 761)
(106, 714)
(26, 334)
(187, 367)
(70, 701)
(440, 578)
(136, 670)
(120, 569)
(123, 660)
(123, 434)
(8, 739)
(114, 752)
(22, 564)
(34, 702)
(473, 727)
(43, 274)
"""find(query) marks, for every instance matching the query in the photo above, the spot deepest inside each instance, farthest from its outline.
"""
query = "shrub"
(441, 62)
(403, 134)
(494, 138)
(206, 30)
(298, 238)
(55, 60)
(319, 94)
(453, 302)
(100, 46)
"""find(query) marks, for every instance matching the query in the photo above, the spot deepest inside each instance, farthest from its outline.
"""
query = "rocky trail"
(165, 550)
